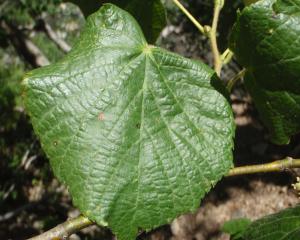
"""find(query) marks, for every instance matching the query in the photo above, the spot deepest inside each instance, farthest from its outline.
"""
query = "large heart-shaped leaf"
(150, 14)
(266, 41)
(138, 134)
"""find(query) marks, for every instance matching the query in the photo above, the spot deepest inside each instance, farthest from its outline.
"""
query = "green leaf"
(248, 2)
(265, 40)
(288, 7)
(284, 225)
(236, 227)
(150, 14)
(138, 134)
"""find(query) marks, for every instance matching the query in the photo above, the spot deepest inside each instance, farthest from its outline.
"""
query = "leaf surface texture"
(138, 134)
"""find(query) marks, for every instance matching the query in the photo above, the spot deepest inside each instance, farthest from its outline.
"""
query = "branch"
(190, 16)
(277, 166)
(11, 214)
(208, 31)
(54, 37)
(24, 46)
(226, 56)
(64, 230)
(38, 58)
(213, 36)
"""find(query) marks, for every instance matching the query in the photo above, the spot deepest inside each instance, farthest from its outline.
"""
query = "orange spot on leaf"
(101, 116)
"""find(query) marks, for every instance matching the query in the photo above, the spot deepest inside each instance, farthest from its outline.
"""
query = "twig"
(277, 166)
(64, 230)
(25, 157)
(226, 56)
(7, 193)
(39, 58)
(24, 46)
(233, 80)
(208, 31)
(213, 36)
(190, 16)
(54, 37)
(11, 214)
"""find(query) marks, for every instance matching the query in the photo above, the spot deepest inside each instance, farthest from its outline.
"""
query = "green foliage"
(287, 7)
(138, 134)
(10, 91)
(236, 227)
(265, 40)
(150, 14)
(248, 2)
(13, 129)
(21, 12)
(284, 225)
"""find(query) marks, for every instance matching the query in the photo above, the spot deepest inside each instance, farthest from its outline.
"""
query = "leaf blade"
(284, 225)
(138, 134)
(264, 40)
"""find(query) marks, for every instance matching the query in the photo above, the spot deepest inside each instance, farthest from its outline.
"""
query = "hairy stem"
(277, 166)
(64, 230)
(190, 16)
(213, 36)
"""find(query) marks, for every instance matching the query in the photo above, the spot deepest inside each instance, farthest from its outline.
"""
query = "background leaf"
(248, 2)
(265, 40)
(236, 227)
(150, 14)
(138, 134)
(284, 225)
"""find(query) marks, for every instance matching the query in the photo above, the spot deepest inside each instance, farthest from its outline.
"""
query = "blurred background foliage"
(35, 33)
